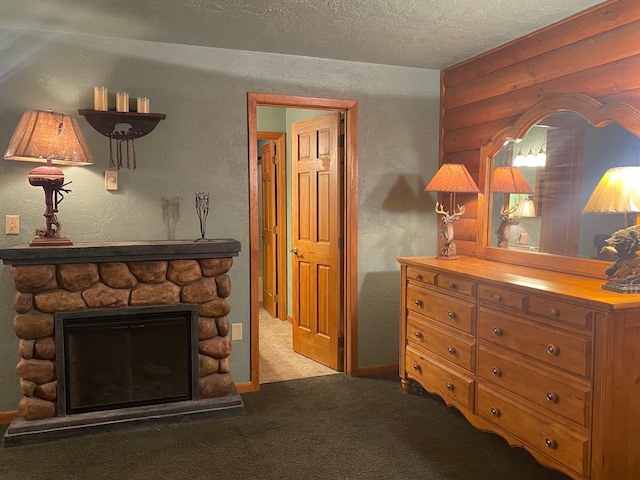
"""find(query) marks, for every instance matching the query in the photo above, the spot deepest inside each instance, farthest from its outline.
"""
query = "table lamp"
(55, 139)
(452, 178)
(618, 191)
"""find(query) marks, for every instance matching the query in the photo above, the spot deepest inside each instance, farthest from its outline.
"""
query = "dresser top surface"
(588, 290)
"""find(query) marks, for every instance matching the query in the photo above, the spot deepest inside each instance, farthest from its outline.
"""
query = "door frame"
(349, 212)
(281, 217)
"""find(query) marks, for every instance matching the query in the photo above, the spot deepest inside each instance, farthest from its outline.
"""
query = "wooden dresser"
(549, 361)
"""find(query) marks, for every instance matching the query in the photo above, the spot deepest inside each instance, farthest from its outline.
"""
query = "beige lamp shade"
(526, 208)
(452, 177)
(618, 191)
(509, 180)
(43, 136)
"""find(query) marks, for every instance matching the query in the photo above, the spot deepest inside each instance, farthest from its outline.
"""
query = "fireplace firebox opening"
(126, 357)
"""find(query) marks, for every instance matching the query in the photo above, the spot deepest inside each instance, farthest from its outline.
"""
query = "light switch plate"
(111, 180)
(12, 224)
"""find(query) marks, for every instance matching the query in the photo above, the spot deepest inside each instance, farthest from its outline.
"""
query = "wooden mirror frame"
(599, 115)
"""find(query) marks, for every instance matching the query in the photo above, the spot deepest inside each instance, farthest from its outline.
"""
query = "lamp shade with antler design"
(452, 178)
(51, 138)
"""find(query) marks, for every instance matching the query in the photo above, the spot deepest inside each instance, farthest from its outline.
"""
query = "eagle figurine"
(624, 245)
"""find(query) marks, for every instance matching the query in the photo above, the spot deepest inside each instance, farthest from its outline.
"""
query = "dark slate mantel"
(121, 252)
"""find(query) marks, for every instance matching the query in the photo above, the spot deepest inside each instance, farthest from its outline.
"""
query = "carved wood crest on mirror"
(556, 152)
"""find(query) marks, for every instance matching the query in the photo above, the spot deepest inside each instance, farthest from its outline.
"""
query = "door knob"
(294, 250)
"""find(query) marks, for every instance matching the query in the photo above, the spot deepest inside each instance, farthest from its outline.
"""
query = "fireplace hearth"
(120, 335)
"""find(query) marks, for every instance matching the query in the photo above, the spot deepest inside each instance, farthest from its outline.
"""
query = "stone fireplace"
(120, 334)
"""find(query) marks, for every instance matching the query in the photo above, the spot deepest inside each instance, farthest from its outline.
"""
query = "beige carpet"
(278, 361)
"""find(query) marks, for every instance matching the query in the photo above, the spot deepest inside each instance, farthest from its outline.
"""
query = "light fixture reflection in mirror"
(534, 158)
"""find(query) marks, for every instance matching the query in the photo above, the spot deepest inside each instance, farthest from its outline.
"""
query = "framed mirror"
(557, 151)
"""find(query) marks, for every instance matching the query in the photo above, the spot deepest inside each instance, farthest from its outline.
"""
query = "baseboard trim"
(7, 417)
(376, 369)
(246, 387)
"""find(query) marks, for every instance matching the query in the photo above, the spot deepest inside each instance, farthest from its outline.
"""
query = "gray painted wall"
(202, 146)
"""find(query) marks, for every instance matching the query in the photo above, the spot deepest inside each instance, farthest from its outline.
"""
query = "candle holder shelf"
(106, 123)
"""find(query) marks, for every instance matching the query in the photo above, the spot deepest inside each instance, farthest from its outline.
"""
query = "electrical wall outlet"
(12, 224)
(236, 331)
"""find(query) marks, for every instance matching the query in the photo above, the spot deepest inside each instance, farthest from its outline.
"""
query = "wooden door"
(269, 231)
(316, 233)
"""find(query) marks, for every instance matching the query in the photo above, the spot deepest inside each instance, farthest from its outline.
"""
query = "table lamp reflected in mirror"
(508, 180)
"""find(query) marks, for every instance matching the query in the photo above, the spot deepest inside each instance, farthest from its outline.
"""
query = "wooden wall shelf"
(106, 122)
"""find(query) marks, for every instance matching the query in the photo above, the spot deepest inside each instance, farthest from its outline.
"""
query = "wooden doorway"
(348, 305)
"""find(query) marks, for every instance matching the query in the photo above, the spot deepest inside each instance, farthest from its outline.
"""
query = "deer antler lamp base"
(453, 178)
(448, 250)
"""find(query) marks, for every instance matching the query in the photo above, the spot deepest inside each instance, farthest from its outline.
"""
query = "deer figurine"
(448, 250)
(504, 230)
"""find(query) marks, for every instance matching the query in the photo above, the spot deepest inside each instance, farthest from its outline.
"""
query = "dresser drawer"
(552, 393)
(555, 311)
(456, 285)
(430, 336)
(570, 352)
(428, 277)
(436, 376)
(501, 296)
(447, 310)
(570, 448)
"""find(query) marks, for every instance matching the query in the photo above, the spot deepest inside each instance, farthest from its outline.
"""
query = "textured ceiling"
(414, 33)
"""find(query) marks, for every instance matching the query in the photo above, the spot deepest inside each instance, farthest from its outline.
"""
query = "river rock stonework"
(43, 290)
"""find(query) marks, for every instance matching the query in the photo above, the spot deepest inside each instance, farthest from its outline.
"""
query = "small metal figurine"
(202, 209)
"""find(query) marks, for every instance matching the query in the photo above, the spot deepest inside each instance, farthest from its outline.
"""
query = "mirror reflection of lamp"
(51, 138)
(618, 191)
(508, 180)
(452, 178)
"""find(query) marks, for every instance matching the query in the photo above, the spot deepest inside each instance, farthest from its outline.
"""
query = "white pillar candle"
(143, 105)
(100, 101)
(122, 102)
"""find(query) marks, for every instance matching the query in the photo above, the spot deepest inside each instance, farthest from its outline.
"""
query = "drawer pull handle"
(551, 443)
(496, 372)
(418, 277)
(497, 298)
(495, 412)
(552, 397)
(451, 314)
(451, 350)
(417, 303)
(453, 285)
(417, 334)
(449, 386)
(554, 312)
(496, 331)
(416, 366)
(553, 350)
